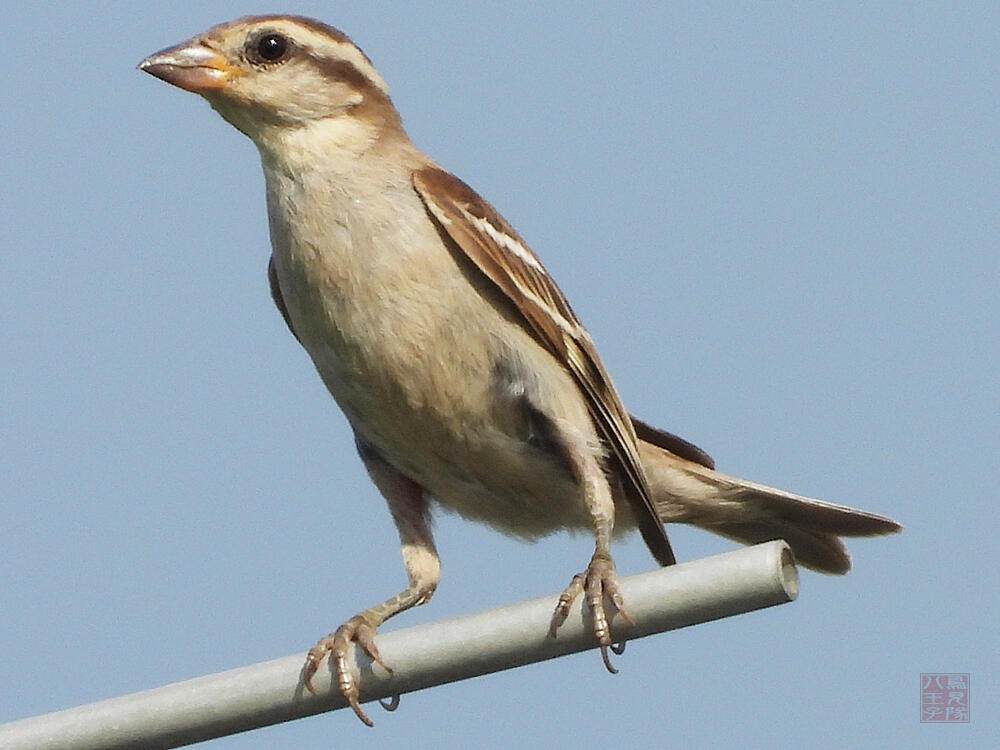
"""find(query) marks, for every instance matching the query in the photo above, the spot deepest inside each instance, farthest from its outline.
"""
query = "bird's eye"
(271, 47)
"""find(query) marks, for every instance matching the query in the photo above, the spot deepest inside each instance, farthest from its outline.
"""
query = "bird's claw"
(338, 645)
(390, 704)
(597, 583)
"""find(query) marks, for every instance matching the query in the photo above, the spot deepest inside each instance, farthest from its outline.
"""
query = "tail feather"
(691, 493)
(818, 514)
(814, 549)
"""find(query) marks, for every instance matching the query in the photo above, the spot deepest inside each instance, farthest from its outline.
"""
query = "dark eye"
(271, 47)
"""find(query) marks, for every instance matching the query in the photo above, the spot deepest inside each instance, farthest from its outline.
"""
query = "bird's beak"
(191, 66)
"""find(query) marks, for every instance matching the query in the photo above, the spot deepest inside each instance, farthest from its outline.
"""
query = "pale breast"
(409, 341)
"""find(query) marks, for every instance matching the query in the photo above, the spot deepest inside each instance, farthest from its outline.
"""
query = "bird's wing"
(492, 244)
(279, 300)
(668, 441)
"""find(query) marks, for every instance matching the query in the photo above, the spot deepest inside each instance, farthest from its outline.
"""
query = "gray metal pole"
(423, 656)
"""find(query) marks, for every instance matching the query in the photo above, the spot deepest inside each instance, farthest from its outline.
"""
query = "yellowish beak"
(191, 66)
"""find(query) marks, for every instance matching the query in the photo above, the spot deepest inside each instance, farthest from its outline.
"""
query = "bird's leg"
(599, 582)
(408, 506)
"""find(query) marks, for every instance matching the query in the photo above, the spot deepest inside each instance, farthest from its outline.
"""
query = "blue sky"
(779, 222)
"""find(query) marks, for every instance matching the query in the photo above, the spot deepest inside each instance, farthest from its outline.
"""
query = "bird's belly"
(415, 372)
(441, 422)
(508, 485)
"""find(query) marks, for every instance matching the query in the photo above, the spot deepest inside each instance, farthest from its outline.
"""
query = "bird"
(468, 381)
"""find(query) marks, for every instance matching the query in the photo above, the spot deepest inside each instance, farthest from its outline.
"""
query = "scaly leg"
(408, 507)
(600, 580)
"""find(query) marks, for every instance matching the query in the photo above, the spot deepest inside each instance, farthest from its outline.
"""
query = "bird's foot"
(598, 582)
(359, 629)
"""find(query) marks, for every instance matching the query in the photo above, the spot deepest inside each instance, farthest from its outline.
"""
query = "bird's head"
(276, 72)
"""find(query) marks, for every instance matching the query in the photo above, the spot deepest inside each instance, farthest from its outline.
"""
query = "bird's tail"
(689, 491)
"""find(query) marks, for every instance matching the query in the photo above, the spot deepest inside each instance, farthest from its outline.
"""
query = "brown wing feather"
(279, 300)
(668, 441)
(500, 253)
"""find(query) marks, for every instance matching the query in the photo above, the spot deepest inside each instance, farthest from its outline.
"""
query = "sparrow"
(468, 381)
